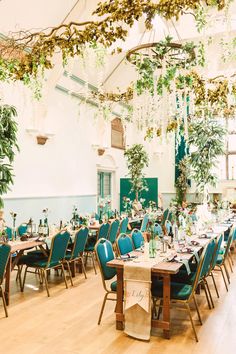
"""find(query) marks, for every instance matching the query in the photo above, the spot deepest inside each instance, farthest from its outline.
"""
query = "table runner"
(137, 295)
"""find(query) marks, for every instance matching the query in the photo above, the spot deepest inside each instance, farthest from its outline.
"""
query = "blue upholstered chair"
(124, 244)
(90, 245)
(182, 293)
(124, 225)
(22, 229)
(113, 231)
(144, 223)
(76, 254)
(9, 232)
(158, 229)
(54, 260)
(167, 226)
(5, 251)
(137, 238)
(104, 253)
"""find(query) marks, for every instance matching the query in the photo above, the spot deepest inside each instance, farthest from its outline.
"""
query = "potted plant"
(137, 160)
(8, 146)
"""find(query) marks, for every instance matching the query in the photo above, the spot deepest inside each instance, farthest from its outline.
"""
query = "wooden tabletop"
(24, 245)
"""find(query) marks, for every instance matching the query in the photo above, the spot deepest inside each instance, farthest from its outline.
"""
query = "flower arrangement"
(104, 208)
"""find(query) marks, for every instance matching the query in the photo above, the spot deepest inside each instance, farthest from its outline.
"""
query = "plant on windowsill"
(137, 160)
(8, 147)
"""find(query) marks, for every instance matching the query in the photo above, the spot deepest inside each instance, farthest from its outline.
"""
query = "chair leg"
(226, 272)
(154, 311)
(160, 309)
(70, 275)
(4, 301)
(209, 292)
(64, 275)
(23, 285)
(44, 276)
(92, 255)
(207, 297)
(223, 276)
(231, 258)
(83, 267)
(197, 308)
(190, 317)
(214, 283)
(230, 264)
(102, 309)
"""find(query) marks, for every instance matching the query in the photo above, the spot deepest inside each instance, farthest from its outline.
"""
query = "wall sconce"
(41, 138)
(100, 149)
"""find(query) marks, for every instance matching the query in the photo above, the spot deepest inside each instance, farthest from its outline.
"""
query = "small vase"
(152, 248)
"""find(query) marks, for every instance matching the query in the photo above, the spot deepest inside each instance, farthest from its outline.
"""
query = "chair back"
(209, 255)
(229, 242)
(58, 248)
(218, 244)
(167, 226)
(79, 242)
(5, 251)
(167, 215)
(137, 238)
(144, 223)
(199, 271)
(21, 230)
(9, 232)
(104, 253)
(124, 225)
(103, 231)
(158, 229)
(113, 231)
(124, 244)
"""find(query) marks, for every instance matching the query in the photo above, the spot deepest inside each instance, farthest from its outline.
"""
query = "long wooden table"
(162, 269)
(18, 247)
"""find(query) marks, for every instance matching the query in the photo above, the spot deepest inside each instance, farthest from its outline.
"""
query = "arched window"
(117, 134)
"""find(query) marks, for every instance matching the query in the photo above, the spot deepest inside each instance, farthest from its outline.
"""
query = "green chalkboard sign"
(150, 195)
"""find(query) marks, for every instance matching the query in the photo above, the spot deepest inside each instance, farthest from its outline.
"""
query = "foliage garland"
(23, 57)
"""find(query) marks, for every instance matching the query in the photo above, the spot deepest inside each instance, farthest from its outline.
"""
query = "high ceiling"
(34, 15)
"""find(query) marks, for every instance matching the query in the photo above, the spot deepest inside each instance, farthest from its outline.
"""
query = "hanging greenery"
(26, 54)
(8, 147)
(206, 140)
(137, 160)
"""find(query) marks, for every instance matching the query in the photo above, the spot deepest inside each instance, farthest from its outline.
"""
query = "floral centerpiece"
(104, 209)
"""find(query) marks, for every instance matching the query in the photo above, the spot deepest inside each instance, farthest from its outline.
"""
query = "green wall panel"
(151, 194)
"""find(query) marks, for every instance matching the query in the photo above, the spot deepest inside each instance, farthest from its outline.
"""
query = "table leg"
(7, 281)
(166, 303)
(119, 301)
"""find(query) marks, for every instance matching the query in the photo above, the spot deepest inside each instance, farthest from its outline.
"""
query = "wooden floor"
(66, 323)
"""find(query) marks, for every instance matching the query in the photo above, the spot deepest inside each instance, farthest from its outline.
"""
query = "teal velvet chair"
(124, 225)
(5, 252)
(183, 277)
(220, 263)
(21, 230)
(76, 254)
(137, 238)
(90, 245)
(158, 230)
(144, 223)
(113, 231)
(54, 260)
(168, 226)
(9, 232)
(167, 215)
(181, 293)
(104, 253)
(124, 244)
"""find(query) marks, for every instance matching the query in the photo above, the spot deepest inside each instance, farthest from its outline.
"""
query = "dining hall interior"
(117, 176)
